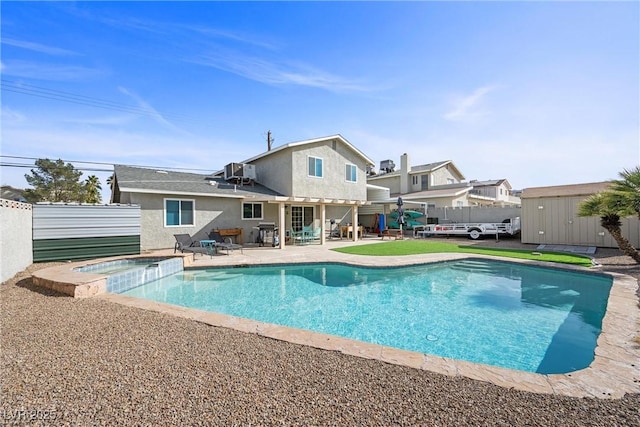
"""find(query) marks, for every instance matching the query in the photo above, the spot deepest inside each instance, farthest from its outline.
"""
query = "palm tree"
(92, 189)
(610, 206)
(629, 188)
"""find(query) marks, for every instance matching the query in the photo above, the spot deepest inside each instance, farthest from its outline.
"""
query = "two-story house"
(434, 184)
(303, 183)
(440, 184)
(496, 192)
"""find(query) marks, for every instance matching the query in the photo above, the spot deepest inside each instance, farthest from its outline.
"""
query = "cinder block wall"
(16, 237)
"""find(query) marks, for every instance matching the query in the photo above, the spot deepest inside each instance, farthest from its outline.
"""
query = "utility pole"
(269, 140)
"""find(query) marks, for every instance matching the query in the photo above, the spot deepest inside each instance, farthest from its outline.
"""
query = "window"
(252, 211)
(351, 173)
(315, 167)
(414, 180)
(178, 212)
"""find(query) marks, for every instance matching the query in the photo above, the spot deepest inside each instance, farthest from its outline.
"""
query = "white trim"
(310, 141)
(164, 212)
(184, 193)
(345, 173)
(252, 218)
(321, 166)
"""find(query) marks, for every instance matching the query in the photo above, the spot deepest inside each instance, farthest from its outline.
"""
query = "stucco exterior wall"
(210, 212)
(441, 177)
(16, 250)
(275, 172)
(555, 220)
(391, 182)
(333, 183)
(417, 178)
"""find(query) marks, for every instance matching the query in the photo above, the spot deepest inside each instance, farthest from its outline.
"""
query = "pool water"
(503, 314)
(127, 273)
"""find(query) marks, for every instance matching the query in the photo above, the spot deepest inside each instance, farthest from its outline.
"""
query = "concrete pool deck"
(614, 371)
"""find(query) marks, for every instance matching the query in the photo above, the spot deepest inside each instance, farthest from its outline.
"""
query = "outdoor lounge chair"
(225, 244)
(184, 243)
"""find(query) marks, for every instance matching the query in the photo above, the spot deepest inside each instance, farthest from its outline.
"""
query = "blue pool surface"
(127, 273)
(498, 313)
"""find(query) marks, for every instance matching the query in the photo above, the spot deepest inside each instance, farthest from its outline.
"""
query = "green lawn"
(414, 247)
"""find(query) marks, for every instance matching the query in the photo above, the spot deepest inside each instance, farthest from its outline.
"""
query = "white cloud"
(148, 110)
(37, 47)
(468, 108)
(51, 72)
(278, 73)
(10, 116)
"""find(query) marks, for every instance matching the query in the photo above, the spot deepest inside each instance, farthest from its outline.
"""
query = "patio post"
(323, 219)
(281, 225)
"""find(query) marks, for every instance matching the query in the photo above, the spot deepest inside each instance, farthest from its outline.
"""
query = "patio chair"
(297, 236)
(185, 243)
(311, 233)
(225, 244)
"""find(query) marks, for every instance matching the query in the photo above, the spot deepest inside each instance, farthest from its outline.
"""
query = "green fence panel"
(85, 248)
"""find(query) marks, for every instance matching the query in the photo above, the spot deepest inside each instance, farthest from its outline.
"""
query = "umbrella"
(400, 213)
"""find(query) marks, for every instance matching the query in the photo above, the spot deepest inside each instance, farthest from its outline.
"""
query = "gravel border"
(87, 361)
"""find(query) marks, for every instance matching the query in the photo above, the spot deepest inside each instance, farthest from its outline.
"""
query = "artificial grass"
(414, 247)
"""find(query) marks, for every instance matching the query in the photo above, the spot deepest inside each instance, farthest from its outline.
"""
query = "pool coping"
(614, 371)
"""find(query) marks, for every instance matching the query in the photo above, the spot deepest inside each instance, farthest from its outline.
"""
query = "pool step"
(473, 266)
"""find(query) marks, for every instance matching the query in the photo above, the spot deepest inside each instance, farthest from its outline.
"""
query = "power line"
(97, 163)
(21, 165)
(57, 95)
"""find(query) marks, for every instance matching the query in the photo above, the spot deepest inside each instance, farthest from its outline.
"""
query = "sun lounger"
(185, 243)
(225, 244)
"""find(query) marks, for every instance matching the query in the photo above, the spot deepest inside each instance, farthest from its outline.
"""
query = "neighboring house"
(493, 192)
(299, 184)
(550, 216)
(440, 184)
(412, 179)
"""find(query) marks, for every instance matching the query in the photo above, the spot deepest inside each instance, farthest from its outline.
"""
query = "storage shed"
(550, 216)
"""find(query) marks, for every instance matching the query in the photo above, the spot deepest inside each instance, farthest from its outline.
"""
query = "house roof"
(429, 167)
(453, 191)
(142, 180)
(337, 137)
(491, 183)
(565, 190)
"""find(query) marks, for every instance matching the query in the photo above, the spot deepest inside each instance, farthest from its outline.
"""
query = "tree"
(92, 189)
(610, 206)
(54, 181)
(628, 188)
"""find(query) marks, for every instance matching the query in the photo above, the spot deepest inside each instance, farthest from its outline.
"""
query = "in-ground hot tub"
(127, 273)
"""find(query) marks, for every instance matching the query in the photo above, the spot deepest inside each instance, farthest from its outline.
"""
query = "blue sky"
(540, 93)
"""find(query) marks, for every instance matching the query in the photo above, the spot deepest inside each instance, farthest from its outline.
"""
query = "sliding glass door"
(300, 216)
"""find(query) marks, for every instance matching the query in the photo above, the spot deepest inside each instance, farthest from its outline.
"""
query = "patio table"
(210, 245)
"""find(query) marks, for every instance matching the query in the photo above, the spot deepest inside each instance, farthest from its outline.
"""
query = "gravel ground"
(90, 362)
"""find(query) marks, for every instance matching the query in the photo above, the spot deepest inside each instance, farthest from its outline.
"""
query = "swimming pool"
(498, 313)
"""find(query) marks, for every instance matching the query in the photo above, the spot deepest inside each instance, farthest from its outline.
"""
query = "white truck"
(475, 231)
